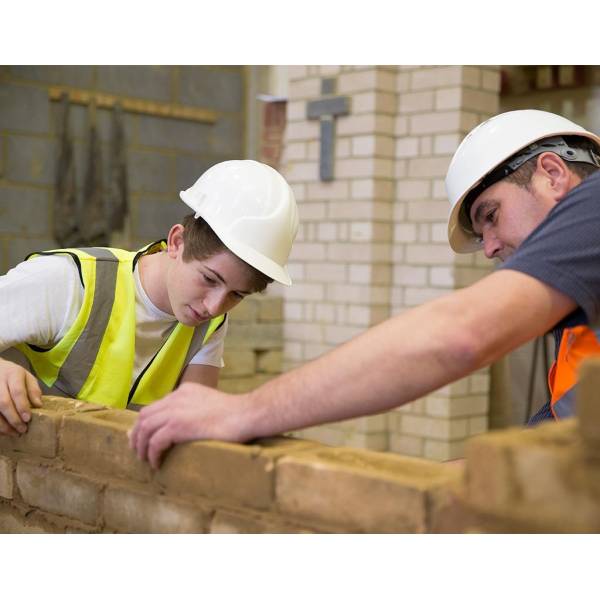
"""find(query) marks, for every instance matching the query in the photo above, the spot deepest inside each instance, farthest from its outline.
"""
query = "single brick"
(150, 172)
(98, 442)
(490, 481)
(58, 492)
(246, 310)
(228, 521)
(175, 134)
(241, 385)
(12, 521)
(31, 160)
(24, 108)
(6, 478)
(260, 336)
(242, 474)
(153, 218)
(361, 490)
(270, 309)
(24, 210)
(269, 361)
(133, 511)
(238, 363)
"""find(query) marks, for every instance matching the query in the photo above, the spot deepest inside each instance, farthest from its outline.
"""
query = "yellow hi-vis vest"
(94, 360)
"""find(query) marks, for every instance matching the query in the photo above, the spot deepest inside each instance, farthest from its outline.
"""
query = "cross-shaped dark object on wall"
(327, 109)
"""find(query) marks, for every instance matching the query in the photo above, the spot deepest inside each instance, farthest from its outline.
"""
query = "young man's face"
(200, 290)
(505, 214)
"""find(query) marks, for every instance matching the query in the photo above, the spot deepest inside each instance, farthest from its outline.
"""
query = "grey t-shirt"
(564, 252)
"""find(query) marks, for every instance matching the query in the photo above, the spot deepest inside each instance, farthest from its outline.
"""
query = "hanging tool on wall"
(93, 221)
(65, 230)
(117, 177)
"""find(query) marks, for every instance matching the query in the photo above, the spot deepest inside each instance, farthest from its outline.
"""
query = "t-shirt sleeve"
(211, 353)
(564, 250)
(39, 300)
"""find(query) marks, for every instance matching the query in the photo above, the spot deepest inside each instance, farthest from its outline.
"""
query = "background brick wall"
(373, 242)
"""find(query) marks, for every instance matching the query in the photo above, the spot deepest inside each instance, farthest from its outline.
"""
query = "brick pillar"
(373, 243)
(273, 126)
(437, 106)
(341, 262)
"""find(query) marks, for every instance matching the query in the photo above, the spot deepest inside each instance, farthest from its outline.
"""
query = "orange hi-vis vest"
(576, 344)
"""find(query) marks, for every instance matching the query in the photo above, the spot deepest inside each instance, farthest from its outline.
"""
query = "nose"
(214, 302)
(491, 244)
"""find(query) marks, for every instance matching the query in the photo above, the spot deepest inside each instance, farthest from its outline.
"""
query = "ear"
(175, 241)
(555, 177)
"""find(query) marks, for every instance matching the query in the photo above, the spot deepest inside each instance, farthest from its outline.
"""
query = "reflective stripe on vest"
(576, 344)
(94, 360)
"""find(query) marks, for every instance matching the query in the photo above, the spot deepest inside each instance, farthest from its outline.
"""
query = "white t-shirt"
(40, 299)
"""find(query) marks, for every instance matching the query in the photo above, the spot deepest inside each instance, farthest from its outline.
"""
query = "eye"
(491, 216)
(208, 279)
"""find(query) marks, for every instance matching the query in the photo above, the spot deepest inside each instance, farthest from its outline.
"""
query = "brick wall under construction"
(73, 471)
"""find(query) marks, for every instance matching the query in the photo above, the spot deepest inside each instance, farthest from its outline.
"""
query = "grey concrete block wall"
(184, 136)
(24, 109)
(76, 76)
(150, 171)
(24, 211)
(20, 248)
(219, 89)
(152, 218)
(164, 155)
(30, 160)
(189, 168)
(151, 83)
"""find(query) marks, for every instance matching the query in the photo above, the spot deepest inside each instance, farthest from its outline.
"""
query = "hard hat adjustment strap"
(559, 146)
(556, 144)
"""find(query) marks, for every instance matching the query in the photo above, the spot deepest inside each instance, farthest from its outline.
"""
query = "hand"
(19, 391)
(191, 412)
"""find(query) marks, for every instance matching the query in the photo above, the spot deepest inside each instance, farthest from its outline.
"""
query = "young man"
(521, 188)
(122, 328)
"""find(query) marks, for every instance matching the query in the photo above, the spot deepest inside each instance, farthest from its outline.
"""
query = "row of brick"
(75, 462)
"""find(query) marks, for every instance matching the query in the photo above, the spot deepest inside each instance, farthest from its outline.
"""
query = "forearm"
(409, 355)
(372, 373)
(204, 374)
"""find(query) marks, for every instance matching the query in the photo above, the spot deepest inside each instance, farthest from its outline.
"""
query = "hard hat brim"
(461, 241)
(258, 261)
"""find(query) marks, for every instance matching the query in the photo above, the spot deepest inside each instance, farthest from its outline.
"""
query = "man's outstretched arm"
(395, 362)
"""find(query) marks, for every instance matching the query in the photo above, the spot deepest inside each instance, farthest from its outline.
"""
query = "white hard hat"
(490, 145)
(252, 209)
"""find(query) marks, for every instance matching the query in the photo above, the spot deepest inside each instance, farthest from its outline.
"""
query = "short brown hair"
(522, 176)
(201, 242)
